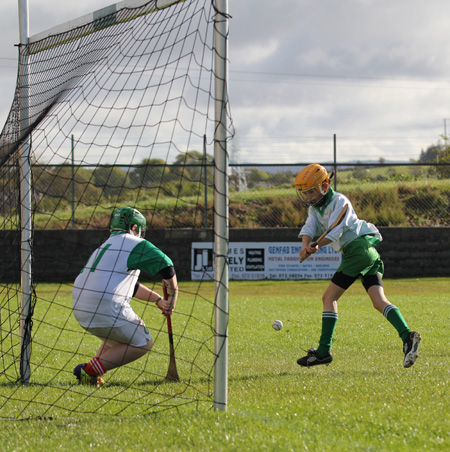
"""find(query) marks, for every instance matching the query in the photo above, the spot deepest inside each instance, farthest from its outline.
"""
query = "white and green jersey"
(321, 218)
(103, 289)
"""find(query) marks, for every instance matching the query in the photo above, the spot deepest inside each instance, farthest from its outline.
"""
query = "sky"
(374, 74)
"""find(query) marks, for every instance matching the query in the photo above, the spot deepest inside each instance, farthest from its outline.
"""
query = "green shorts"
(360, 258)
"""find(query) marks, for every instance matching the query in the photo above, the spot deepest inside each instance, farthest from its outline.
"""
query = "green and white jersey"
(103, 289)
(321, 218)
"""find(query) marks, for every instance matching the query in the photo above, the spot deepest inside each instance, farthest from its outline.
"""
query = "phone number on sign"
(300, 276)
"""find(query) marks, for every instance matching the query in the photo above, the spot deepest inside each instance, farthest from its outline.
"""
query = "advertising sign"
(252, 260)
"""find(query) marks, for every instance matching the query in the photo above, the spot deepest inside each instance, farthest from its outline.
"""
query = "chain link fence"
(386, 195)
(260, 196)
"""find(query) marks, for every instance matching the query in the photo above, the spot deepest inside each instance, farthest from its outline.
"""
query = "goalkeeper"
(356, 239)
(104, 287)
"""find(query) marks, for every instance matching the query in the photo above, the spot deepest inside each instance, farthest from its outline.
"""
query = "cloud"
(372, 71)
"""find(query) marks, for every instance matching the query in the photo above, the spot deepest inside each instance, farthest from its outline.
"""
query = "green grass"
(364, 401)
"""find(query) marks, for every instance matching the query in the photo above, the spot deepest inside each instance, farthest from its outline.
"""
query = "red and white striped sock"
(95, 367)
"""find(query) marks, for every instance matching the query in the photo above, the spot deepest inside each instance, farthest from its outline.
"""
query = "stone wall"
(59, 255)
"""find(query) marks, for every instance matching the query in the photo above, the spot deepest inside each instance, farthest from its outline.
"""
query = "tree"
(443, 171)
(150, 174)
(431, 154)
(111, 179)
(192, 158)
(53, 187)
(192, 173)
(257, 177)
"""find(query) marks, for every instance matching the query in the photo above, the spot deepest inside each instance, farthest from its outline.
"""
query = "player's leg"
(411, 339)
(90, 373)
(375, 291)
(329, 316)
(125, 344)
(94, 369)
(335, 290)
(108, 358)
(106, 345)
(354, 259)
(121, 345)
(121, 354)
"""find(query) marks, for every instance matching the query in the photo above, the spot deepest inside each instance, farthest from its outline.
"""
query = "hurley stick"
(172, 373)
(336, 222)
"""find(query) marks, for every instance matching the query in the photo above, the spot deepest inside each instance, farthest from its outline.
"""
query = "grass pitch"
(364, 401)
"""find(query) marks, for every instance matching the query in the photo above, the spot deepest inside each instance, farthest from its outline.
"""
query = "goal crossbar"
(102, 18)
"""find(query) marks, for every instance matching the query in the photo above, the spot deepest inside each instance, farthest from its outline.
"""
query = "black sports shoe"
(314, 359)
(410, 347)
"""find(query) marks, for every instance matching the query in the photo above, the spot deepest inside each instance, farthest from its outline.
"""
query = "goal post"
(221, 224)
(25, 204)
(141, 86)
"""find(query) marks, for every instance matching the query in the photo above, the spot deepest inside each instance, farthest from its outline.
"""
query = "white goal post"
(25, 209)
(221, 136)
(221, 225)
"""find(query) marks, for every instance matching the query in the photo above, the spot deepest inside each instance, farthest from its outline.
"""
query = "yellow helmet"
(309, 184)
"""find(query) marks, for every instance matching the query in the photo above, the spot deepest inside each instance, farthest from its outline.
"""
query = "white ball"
(277, 325)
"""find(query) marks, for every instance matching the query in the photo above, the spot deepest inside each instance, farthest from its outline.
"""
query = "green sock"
(329, 320)
(394, 316)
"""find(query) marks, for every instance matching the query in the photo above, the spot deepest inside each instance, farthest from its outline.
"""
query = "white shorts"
(131, 333)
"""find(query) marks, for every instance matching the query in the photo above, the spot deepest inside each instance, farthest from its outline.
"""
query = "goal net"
(117, 108)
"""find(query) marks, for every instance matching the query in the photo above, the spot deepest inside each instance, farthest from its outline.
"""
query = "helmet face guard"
(124, 218)
(312, 184)
(311, 196)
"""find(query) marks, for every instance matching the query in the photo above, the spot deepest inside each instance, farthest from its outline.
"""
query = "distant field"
(384, 195)
(364, 401)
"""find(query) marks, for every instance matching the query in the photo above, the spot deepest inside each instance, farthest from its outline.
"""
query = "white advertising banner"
(252, 260)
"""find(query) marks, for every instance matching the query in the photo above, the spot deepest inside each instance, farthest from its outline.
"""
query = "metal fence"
(260, 196)
(385, 194)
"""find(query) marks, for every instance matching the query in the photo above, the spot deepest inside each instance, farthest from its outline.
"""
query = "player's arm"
(308, 231)
(324, 242)
(147, 257)
(305, 252)
(142, 292)
(310, 247)
(170, 288)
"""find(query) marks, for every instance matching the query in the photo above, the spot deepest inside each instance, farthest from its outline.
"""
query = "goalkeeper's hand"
(166, 306)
